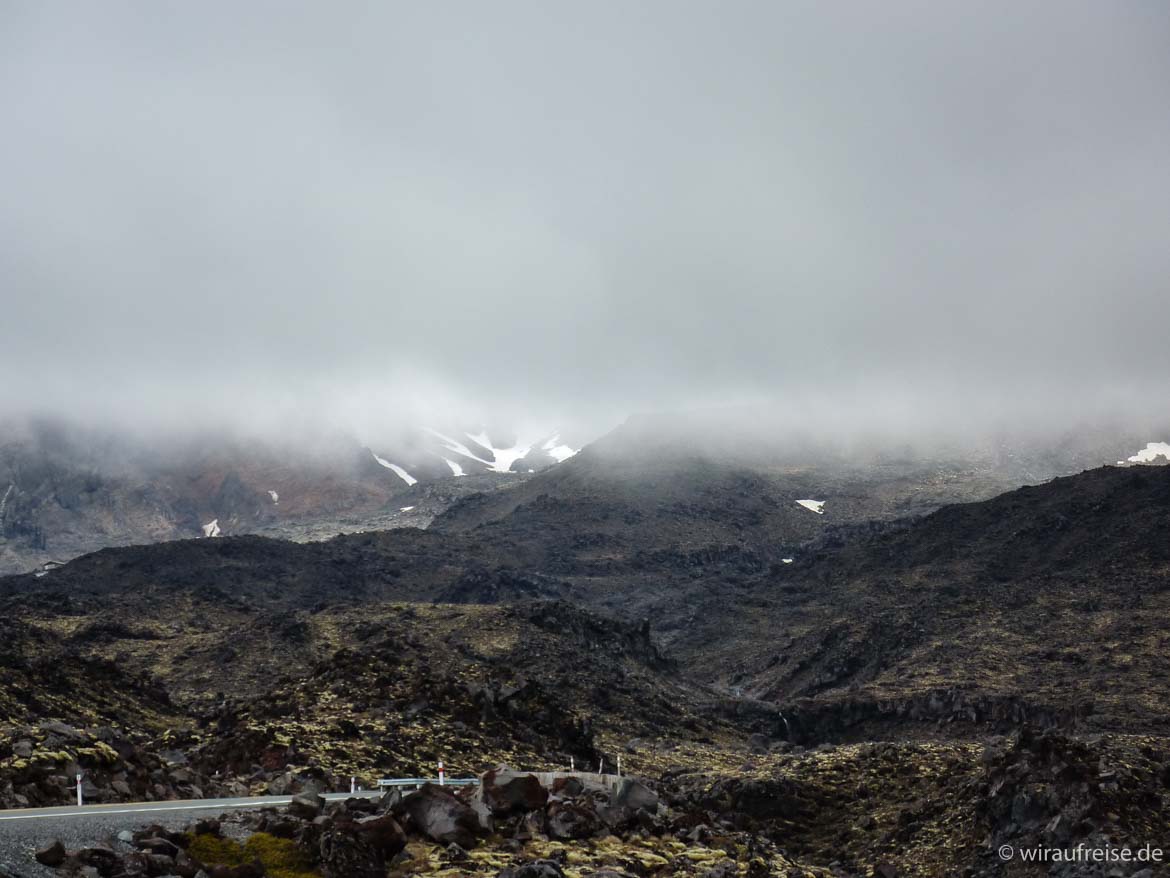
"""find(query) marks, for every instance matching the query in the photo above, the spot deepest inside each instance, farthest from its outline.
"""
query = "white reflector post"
(78, 790)
(441, 772)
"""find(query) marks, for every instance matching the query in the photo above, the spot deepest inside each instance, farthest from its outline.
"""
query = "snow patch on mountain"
(557, 450)
(275, 497)
(456, 446)
(456, 469)
(399, 471)
(817, 506)
(406, 509)
(211, 529)
(1149, 454)
(502, 458)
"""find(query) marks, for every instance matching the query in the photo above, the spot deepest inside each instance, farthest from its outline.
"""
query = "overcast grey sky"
(582, 209)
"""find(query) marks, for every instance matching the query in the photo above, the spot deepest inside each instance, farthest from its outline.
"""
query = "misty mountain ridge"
(66, 489)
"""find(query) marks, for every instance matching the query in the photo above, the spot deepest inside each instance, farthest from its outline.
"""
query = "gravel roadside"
(20, 839)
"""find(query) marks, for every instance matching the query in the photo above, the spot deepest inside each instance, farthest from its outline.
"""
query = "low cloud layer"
(521, 210)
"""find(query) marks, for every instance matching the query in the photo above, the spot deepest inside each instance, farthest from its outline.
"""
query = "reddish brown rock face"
(507, 792)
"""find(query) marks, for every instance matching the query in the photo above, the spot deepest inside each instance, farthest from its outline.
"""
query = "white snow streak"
(211, 529)
(399, 471)
(275, 497)
(558, 451)
(503, 458)
(817, 506)
(456, 469)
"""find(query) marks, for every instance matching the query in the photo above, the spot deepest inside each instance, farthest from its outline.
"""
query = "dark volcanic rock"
(441, 816)
(52, 855)
(569, 820)
(347, 855)
(382, 832)
(306, 806)
(636, 795)
(506, 792)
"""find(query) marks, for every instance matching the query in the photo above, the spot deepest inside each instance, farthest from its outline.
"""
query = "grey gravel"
(20, 839)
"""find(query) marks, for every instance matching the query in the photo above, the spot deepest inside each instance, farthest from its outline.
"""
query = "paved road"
(25, 830)
(153, 807)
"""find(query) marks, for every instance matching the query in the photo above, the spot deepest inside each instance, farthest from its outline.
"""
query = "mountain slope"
(1034, 599)
(66, 490)
(1047, 601)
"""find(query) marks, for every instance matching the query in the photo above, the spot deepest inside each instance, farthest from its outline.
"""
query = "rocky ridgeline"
(512, 825)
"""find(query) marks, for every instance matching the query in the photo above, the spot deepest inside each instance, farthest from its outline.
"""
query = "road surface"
(25, 830)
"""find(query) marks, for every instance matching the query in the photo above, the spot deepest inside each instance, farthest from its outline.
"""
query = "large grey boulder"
(636, 796)
(441, 816)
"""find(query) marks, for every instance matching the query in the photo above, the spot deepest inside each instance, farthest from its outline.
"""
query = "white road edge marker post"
(79, 790)
(619, 766)
(441, 772)
(352, 785)
(572, 764)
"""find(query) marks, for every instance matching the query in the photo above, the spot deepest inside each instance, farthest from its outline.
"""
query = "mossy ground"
(281, 857)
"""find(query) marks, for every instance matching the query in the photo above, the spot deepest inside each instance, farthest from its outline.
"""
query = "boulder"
(568, 820)
(635, 795)
(306, 806)
(390, 800)
(383, 833)
(507, 792)
(61, 730)
(348, 855)
(53, 855)
(283, 828)
(455, 854)
(281, 785)
(101, 858)
(442, 817)
(159, 864)
(158, 846)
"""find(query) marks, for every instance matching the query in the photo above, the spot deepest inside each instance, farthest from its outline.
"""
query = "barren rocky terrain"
(867, 691)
